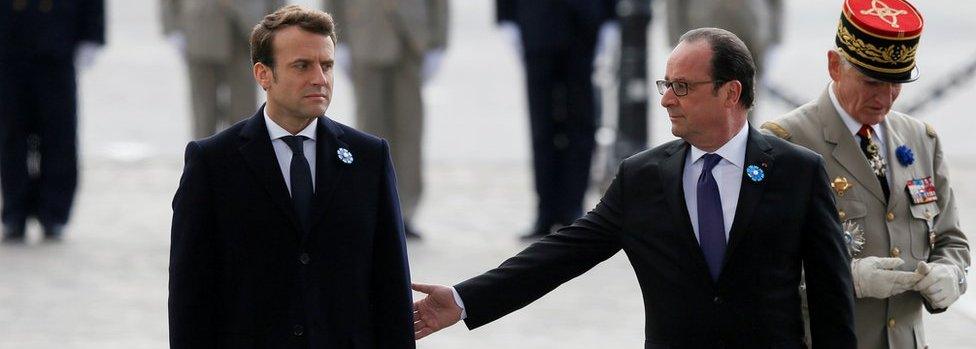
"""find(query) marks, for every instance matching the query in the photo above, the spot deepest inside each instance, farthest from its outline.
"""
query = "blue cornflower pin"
(345, 155)
(905, 155)
(755, 173)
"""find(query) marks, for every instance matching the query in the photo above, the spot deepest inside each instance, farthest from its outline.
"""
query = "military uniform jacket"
(378, 31)
(896, 229)
(212, 26)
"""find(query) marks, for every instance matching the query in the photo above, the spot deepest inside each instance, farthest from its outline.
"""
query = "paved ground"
(105, 286)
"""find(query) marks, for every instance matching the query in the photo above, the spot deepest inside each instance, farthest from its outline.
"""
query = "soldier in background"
(42, 45)
(889, 177)
(212, 36)
(757, 22)
(394, 46)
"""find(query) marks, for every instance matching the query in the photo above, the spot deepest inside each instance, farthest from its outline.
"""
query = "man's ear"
(834, 65)
(733, 93)
(263, 75)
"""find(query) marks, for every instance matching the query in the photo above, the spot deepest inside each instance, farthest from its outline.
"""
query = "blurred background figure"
(42, 44)
(757, 22)
(393, 47)
(557, 40)
(212, 36)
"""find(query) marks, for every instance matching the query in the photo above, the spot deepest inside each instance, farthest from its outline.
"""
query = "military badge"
(841, 185)
(755, 173)
(854, 238)
(905, 155)
(345, 155)
(922, 190)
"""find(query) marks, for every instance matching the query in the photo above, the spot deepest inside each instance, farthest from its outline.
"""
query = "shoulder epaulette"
(776, 129)
(930, 130)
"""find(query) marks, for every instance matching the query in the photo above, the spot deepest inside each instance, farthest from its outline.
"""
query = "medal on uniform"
(841, 185)
(922, 190)
(853, 238)
(878, 164)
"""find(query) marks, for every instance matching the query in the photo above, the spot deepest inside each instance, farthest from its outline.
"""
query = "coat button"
(895, 252)
(891, 323)
(304, 258)
(298, 331)
(890, 216)
(842, 214)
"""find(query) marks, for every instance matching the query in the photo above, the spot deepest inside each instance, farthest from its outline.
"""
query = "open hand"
(436, 311)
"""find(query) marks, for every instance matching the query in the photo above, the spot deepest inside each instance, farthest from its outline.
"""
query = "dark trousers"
(38, 142)
(563, 122)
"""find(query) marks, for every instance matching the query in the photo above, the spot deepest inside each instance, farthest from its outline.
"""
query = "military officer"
(888, 174)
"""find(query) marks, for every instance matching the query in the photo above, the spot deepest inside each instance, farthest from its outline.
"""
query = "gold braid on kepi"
(880, 38)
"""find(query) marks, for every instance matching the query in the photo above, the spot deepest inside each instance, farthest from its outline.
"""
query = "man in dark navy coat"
(716, 225)
(286, 226)
(39, 43)
(558, 42)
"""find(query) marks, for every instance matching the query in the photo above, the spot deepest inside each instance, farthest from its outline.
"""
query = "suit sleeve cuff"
(459, 302)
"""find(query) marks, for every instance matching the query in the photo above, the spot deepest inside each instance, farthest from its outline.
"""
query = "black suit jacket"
(781, 222)
(547, 24)
(49, 29)
(243, 274)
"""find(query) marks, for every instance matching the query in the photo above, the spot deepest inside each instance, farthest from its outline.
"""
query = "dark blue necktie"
(711, 222)
(301, 179)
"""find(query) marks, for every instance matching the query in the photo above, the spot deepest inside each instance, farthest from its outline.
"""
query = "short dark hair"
(262, 37)
(731, 60)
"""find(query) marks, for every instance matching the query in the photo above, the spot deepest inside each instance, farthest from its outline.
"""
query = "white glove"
(513, 35)
(343, 59)
(939, 285)
(874, 277)
(432, 63)
(85, 54)
(178, 40)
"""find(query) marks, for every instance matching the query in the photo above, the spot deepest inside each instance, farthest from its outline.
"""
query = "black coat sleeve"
(828, 271)
(391, 301)
(91, 23)
(505, 10)
(546, 264)
(192, 293)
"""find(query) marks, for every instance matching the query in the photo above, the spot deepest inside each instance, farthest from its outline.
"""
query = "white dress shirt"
(284, 153)
(878, 132)
(728, 175)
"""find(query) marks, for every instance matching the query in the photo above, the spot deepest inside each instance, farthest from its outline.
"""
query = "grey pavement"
(105, 285)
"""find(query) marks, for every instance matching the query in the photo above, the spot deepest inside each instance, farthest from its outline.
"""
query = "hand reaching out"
(436, 311)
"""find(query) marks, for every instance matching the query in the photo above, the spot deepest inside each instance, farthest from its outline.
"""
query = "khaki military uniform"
(896, 229)
(387, 41)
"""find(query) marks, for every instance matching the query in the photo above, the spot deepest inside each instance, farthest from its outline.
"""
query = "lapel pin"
(755, 173)
(345, 155)
(841, 185)
(905, 155)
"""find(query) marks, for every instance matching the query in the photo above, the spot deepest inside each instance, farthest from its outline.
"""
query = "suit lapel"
(758, 153)
(846, 151)
(671, 172)
(328, 167)
(261, 160)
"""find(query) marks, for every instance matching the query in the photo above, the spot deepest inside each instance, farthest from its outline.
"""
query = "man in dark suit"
(557, 39)
(716, 225)
(40, 44)
(286, 226)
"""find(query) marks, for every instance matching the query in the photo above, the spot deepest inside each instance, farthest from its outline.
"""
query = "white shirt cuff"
(460, 303)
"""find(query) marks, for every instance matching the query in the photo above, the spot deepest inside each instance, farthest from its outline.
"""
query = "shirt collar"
(276, 131)
(852, 125)
(733, 151)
